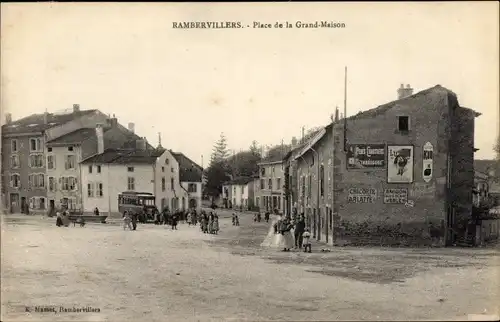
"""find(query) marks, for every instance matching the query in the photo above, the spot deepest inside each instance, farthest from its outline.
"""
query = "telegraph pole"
(345, 110)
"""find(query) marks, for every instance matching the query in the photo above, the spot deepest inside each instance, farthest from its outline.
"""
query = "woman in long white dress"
(271, 238)
(286, 241)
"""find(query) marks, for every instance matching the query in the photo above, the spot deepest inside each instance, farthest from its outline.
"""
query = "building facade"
(142, 170)
(24, 174)
(271, 185)
(242, 193)
(190, 177)
(406, 166)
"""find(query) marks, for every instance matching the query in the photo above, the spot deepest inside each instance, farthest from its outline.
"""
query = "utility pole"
(345, 110)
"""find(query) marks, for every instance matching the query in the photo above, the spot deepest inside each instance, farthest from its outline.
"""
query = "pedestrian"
(134, 221)
(306, 240)
(174, 219)
(285, 239)
(259, 217)
(165, 215)
(236, 220)
(266, 216)
(300, 226)
(126, 221)
(211, 224)
(216, 225)
(59, 221)
(96, 211)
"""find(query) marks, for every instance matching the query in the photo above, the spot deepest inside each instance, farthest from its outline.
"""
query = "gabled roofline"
(269, 162)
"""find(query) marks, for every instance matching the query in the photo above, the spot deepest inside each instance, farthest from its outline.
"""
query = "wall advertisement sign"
(427, 161)
(400, 163)
(366, 156)
(362, 195)
(396, 196)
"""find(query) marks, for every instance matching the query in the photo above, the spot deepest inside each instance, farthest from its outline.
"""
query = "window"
(15, 180)
(70, 162)
(70, 148)
(130, 169)
(403, 123)
(312, 160)
(172, 169)
(167, 161)
(163, 184)
(322, 180)
(90, 189)
(98, 169)
(162, 169)
(192, 187)
(49, 149)
(37, 203)
(35, 145)
(36, 180)
(131, 183)
(270, 184)
(263, 171)
(242, 190)
(68, 183)
(90, 169)
(309, 186)
(99, 190)
(303, 187)
(52, 184)
(234, 190)
(172, 183)
(13, 146)
(51, 162)
(278, 183)
(262, 184)
(36, 160)
(14, 161)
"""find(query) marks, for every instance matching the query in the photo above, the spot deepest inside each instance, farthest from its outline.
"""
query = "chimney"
(113, 121)
(404, 92)
(45, 117)
(337, 114)
(76, 108)
(99, 132)
(140, 144)
(294, 142)
(8, 118)
(159, 140)
(131, 127)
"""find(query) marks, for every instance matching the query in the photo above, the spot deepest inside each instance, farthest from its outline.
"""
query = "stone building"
(24, 159)
(406, 171)
(272, 181)
(190, 177)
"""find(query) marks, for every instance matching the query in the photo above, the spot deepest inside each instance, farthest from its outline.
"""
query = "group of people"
(257, 217)
(286, 234)
(209, 223)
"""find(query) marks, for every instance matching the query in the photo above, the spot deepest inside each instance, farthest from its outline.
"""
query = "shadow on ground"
(367, 264)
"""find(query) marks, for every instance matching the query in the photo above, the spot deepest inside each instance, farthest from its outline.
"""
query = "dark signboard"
(366, 156)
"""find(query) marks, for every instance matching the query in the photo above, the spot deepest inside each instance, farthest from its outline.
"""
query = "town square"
(249, 162)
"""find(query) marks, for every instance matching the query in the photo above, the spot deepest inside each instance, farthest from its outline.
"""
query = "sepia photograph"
(250, 161)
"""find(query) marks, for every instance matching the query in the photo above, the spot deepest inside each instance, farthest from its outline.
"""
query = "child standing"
(127, 221)
(306, 240)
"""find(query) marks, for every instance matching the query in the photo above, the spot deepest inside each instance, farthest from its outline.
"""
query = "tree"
(311, 133)
(278, 151)
(244, 164)
(254, 148)
(216, 175)
(219, 151)
(497, 147)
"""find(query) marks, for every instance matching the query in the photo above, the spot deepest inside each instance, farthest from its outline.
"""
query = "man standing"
(134, 221)
(300, 226)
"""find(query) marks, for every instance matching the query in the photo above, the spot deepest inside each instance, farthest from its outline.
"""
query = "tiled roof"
(240, 181)
(36, 122)
(189, 171)
(117, 137)
(125, 156)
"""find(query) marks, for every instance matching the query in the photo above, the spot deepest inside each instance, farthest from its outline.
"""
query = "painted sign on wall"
(366, 156)
(427, 165)
(423, 190)
(362, 195)
(396, 196)
(399, 163)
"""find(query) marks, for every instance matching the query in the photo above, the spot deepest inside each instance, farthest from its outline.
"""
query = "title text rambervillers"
(207, 24)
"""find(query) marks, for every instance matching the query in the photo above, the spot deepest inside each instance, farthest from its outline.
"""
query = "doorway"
(24, 206)
(14, 203)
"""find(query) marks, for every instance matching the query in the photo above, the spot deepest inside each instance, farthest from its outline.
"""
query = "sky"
(251, 84)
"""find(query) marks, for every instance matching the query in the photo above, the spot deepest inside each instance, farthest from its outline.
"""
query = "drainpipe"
(318, 192)
(109, 193)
